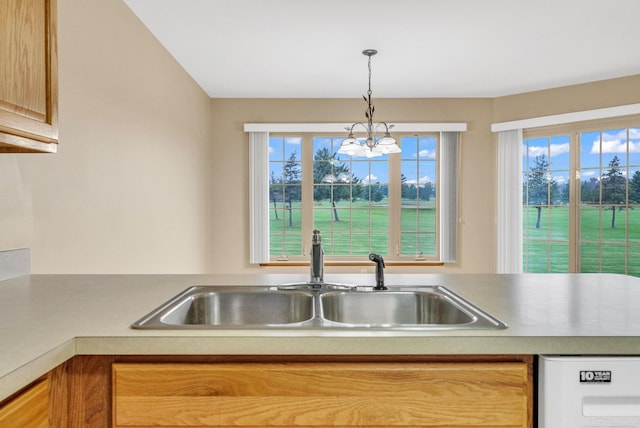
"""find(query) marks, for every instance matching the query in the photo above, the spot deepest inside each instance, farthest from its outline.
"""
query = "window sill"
(390, 263)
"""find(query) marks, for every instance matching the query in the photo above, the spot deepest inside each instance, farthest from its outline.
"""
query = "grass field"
(351, 234)
(545, 249)
(603, 249)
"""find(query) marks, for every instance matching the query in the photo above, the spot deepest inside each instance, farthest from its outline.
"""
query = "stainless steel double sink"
(331, 306)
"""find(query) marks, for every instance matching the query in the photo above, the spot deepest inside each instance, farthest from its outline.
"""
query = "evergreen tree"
(634, 188)
(614, 189)
(590, 191)
(540, 186)
(275, 192)
(292, 191)
(404, 187)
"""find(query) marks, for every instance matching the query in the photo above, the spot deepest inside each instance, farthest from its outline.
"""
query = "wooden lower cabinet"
(28, 409)
(323, 394)
(104, 391)
(43, 404)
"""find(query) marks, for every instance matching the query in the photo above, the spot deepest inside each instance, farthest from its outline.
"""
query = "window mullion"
(395, 202)
(307, 193)
(574, 203)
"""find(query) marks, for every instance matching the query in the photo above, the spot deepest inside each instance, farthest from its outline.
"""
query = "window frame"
(551, 133)
(574, 132)
(509, 231)
(259, 188)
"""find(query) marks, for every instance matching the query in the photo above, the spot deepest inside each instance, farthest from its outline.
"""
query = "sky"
(417, 158)
(597, 149)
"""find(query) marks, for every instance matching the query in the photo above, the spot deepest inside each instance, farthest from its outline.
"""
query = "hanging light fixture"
(374, 145)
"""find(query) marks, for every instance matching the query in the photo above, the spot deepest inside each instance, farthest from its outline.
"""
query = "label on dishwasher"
(595, 376)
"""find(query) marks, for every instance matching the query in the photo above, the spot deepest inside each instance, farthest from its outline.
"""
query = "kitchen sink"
(220, 306)
(325, 307)
(393, 308)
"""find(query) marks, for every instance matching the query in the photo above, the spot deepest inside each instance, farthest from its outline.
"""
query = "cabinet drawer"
(29, 409)
(329, 394)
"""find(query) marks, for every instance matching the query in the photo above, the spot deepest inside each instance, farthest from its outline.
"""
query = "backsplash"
(14, 263)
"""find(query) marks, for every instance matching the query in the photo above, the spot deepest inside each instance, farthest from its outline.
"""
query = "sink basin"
(328, 307)
(217, 306)
(393, 308)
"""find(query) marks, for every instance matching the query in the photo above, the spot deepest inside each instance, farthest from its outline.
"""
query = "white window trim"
(565, 118)
(259, 179)
(342, 127)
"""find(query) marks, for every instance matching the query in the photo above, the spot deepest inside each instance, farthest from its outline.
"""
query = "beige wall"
(130, 189)
(137, 188)
(476, 232)
(588, 96)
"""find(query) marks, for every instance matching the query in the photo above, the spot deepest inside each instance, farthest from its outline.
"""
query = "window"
(350, 200)
(545, 191)
(399, 205)
(418, 195)
(285, 194)
(592, 224)
(609, 210)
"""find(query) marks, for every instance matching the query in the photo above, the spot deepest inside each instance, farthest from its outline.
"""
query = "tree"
(404, 187)
(275, 192)
(614, 189)
(634, 188)
(565, 193)
(425, 191)
(541, 187)
(291, 175)
(415, 192)
(377, 192)
(590, 191)
(328, 169)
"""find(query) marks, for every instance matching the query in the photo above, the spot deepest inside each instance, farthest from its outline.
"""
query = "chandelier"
(374, 145)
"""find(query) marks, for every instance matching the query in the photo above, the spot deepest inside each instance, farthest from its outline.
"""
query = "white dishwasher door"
(581, 392)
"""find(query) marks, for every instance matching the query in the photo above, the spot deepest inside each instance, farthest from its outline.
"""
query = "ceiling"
(427, 48)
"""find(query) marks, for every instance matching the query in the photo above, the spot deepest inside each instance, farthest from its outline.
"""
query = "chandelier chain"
(369, 91)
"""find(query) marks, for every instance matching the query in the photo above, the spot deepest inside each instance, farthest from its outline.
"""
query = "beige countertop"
(47, 319)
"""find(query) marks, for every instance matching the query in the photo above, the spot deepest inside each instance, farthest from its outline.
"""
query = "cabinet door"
(30, 409)
(322, 395)
(28, 76)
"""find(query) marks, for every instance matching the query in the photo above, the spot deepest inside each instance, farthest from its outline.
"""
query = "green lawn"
(351, 234)
(605, 251)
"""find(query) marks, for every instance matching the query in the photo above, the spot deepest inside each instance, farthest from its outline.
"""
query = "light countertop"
(47, 319)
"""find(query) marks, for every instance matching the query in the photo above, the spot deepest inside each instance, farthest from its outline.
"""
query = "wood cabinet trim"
(29, 115)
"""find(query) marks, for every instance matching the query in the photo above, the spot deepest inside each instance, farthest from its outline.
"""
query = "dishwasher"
(588, 391)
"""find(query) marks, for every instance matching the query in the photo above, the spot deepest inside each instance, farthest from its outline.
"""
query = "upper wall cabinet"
(28, 76)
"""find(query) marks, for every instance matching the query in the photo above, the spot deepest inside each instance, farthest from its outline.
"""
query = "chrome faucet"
(317, 259)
